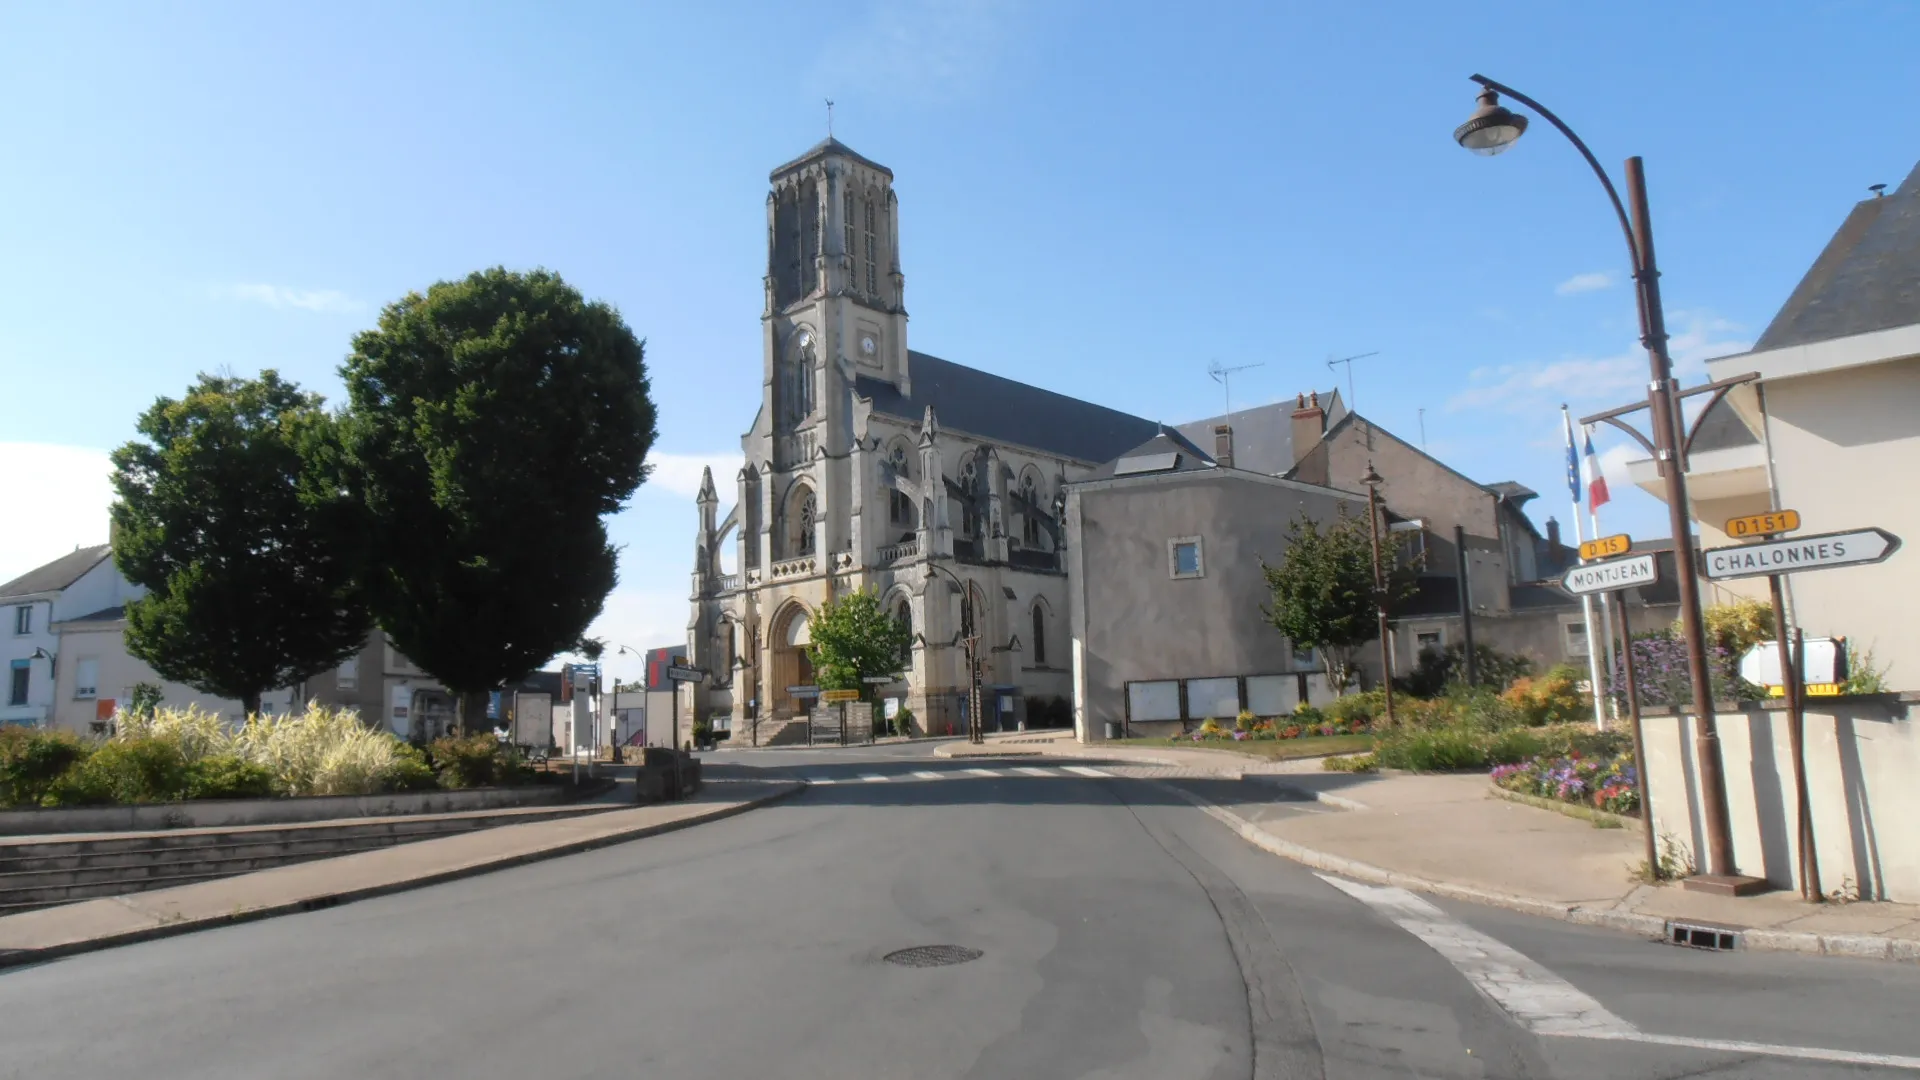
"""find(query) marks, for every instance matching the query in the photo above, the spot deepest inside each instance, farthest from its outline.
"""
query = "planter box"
(225, 813)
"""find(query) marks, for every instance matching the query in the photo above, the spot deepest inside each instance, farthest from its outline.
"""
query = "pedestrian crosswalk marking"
(1030, 771)
(1003, 772)
(873, 778)
(983, 772)
(927, 775)
(1085, 770)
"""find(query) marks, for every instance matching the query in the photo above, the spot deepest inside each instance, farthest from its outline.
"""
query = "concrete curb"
(19, 957)
(1858, 946)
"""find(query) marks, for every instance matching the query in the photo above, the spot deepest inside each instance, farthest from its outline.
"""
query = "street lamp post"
(969, 638)
(1373, 482)
(1492, 129)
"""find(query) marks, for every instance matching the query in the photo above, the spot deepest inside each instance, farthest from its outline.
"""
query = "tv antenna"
(1349, 362)
(1224, 376)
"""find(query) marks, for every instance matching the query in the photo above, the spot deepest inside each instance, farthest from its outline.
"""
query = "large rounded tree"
(493, 424)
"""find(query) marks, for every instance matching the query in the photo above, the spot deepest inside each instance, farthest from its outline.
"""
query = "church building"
(870, 465)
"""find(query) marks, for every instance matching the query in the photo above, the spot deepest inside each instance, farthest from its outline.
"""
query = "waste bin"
(1113, 731)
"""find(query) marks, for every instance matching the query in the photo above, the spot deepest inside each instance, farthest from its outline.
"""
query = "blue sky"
(1101, 198)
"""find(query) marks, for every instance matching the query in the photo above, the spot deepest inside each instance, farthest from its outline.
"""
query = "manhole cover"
(922, 956)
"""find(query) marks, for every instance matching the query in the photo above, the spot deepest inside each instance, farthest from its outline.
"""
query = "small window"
(18, 679)
(86, 679)
(1304, 659)
(348, 675)
(1184, 557)
(23, 619)
(1574, 634)
(1429, 641)
(1039, 635)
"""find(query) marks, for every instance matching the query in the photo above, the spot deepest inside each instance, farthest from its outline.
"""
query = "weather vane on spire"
(829, 118)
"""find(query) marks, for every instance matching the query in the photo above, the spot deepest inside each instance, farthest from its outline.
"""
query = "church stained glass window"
(873, 277)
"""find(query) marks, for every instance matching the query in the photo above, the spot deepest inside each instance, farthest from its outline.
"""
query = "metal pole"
(1792, 691)
(1586, 613)
(1466, 605)
(1606, 629)
(1639, 735)
(1380, 597)
(1660, 396)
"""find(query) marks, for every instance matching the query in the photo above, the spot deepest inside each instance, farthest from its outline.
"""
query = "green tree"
(854, 638)
(233, 516)
(493, 423)
(1323, 592)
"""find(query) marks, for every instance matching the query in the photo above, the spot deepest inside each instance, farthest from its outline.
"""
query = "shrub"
(31, 761)
(227, 776)
(1211, 728)
(139, 769)
(1662, 678)
(1738, 626)
(903, 721)
(1359, 763)
(1363, 707)
(410, 771)
(1432, 749)
(196, 732)
(478, 760)
(1307, 714)
(1553, 698)
(1245, 721)
(322, 751)
(1437, 671)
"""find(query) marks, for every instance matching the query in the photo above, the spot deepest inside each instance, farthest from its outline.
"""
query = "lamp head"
(1492, 128)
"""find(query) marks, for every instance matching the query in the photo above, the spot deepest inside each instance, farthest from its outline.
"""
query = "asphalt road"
(1121, 933)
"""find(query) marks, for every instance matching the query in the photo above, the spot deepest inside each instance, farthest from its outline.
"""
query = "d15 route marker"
(1617, 544)
(1779, 521)
(1613, 574)
(1823, 552)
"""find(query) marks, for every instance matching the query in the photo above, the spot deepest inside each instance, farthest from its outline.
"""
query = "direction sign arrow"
(1824, 552)
(682, 673)
(803, 691)
(1612, 574)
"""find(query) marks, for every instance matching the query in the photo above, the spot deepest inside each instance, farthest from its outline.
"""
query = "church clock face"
(867, 346)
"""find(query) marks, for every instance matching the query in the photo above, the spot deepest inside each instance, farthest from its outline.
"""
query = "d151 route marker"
(1778, 521)
(1612, 574)
(1802, 553)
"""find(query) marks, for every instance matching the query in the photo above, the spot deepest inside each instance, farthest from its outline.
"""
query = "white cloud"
(57, 497)
(927, 49)
(679, 474)
(1613, 466)
(640, 619)
(1580, 283)
(325, 301)
(1607, 380)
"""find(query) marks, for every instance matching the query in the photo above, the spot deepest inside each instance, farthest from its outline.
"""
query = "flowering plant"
(1609, 784)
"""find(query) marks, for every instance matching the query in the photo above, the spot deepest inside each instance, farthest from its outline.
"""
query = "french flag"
(1596, 480)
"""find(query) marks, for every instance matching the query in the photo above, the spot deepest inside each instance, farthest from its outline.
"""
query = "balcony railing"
(894, 553)
(727, 583)
(804, 566)
(792, 451)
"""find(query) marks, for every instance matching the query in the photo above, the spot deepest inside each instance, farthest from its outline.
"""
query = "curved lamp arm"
(1619, 208)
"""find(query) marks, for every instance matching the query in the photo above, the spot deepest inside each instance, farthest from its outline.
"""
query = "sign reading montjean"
(1612, 574)
(1828, 550)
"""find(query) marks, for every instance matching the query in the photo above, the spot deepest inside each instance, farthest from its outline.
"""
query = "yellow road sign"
(1778, 521)
(1606, 546)
(839, 695)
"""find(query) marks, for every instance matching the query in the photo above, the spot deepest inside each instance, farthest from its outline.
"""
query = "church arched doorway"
(791, 665)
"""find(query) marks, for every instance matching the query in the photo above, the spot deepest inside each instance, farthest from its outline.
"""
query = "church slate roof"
(1867, 279)
(830, 145)
(1262, 435)
(973, 402)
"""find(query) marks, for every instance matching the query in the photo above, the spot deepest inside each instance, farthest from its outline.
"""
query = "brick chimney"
(1553, 535)
(1309, 423)
(1223, 445)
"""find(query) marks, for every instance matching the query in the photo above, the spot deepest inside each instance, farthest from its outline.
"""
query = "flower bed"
(1248, 726)
(1605, 783)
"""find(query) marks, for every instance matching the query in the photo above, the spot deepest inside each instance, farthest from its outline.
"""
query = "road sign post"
(1616, 576)
(1776, 558)
(677, 674)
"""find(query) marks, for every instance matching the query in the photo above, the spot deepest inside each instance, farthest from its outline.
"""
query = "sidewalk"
(1451, 836)
(117, 920)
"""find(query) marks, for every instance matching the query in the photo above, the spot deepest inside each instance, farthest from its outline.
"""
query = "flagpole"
(1586, 601)
(1606, 610)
